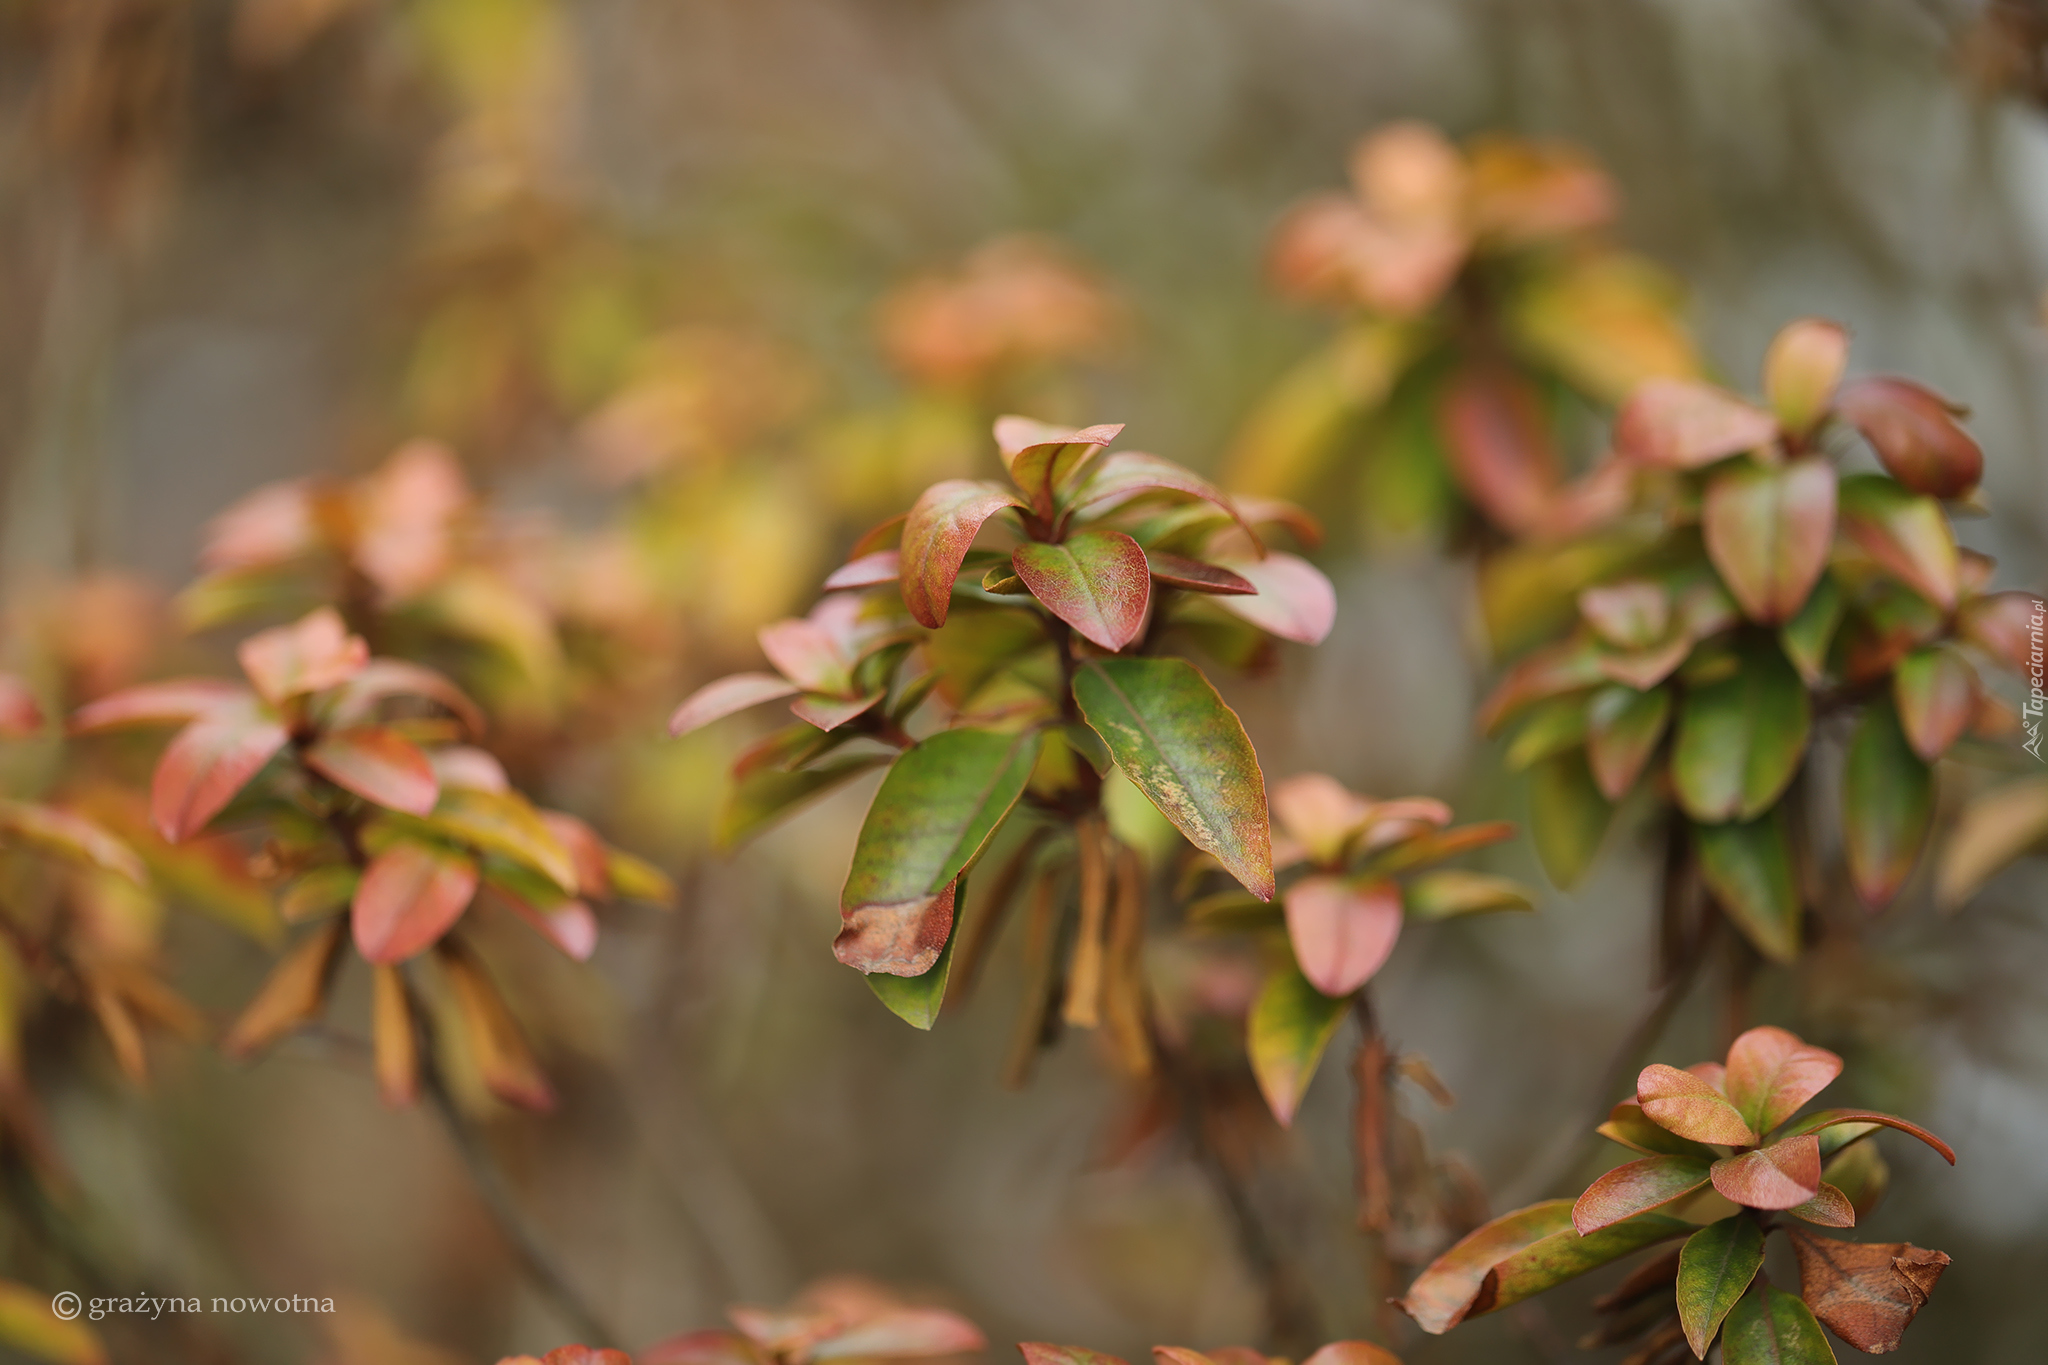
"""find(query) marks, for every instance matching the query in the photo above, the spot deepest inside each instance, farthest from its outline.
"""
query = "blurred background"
(695, 291)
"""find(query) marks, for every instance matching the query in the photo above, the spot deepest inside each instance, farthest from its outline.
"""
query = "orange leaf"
(1866, 1292)
(1783, 1175)
(312, 654)
(409, 896)
(379, 765)
(293, 993)
(1684, 424)
(1690, 1106)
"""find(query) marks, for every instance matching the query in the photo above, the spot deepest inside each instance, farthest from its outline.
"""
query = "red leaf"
(1342, 933)
(726, 696)
(1294, 600)
(1866, 1292)
(1043, 458)
(807, 654)
(1096, 581)
(1783, 1175)
(20, 716)
(1499, 447)
(1178, 571)
(1768, 529)
(1905, 533)
(941, 528)
(1936, 693)
(211, 759)
(1801, 370)
(312, 654)
(882, 566)
(1822, 1120)
(1915, 434)
(1829, 1208)
(570, 926)
(1690, 1106)
(1637, 1187)
(409, 896)
(1772, 1072)
(899, 938)
(378, 765)
(2001, 624)
(1683, 424)
(160, 703)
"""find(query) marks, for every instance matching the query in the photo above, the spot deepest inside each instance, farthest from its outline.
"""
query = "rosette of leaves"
(1762, 591)
(1489, 322)
(1334, 1353)
(1002, 647)
(1734, 1129)
(379, 826)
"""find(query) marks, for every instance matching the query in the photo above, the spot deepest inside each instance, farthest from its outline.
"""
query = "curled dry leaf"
(1867, 1292)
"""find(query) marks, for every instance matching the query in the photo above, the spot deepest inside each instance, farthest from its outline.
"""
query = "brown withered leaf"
(1866, 1292)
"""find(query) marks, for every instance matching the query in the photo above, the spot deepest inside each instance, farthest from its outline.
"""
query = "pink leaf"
(211, 759)
(1683, 424)
(159, 703)
(882, 566)
(312, 654)
(1294, 600)
(378, 765)
(728, 695)
(1096, 581)
(1342, 933)
(409, 896)
(1783, 1175)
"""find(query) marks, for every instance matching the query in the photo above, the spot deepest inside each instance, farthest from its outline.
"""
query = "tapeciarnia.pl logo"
(2037, 698)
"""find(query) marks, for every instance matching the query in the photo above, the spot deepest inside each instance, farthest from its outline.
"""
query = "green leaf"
(1291, 1025)
(1565, 1255)
(1637, 1187)
(1887, 805)
(1623, 727)
(761, 796)
(1806, 637)
(28, 1325)
(1748, 867)
(1177, 741)
(1935, 690)
(1552, 727)
(936, 809)
(1568, 816)
(915, 999)
(1453, 892)
(1098, 582)
(1443, 1294)
(1905, 532)
(1715, 1267)
(1740, 739)
(1770, 1327)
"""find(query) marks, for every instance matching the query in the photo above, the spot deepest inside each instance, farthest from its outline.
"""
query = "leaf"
(1935, 690)
(495, 1042)
(1568, 816)
(1772, 1072)
(1630, 615)
(159, 703)
(1442, 1295)
(1859, 1174)
(1342, 931)
(1569, 666)
(20, 716)
(761, 796)
(808, 653)
(377, 764)
(1887, 805)
(1686, 1105)
(1740, 740)
(1867, 1292)
(394, 1043)
(1801, 369)
(28, 1325)
(1498, 446)
(901, 1334)
(1684, 424)
(1806, 637)
(1453, 892)
(55, 830)
(1291, 1025)
(916, 1000)
(2002, 624)
(1748, 867)
(1293, 598)
(1771, 1327)
(1565, 1255)
(936, 809)
(867, 571)
(942, 526)
(1177, 741)
(1829, 1207)
(1622, 730)
(1767, 531)
(1352, 1353)
(1096, 581)
(719, 699)
(1043, 458)
(1915, 434)
(312, 654)
(1990, 831)
(381, 679)
(1905, 533)
(1552, 728)
(1129, 474)
(829, 713)
(410, 895)
(1629, 1126)
(211, 760)
(1637, 1187)
(1715, 1268)
(1045, 1353)
(1780, 1176)
(1821, 1120)
(292, 994)
(1194, 575)
(1320, 814)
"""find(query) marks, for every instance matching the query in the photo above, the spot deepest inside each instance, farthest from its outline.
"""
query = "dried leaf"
(1768, 529)
(1915, 434)
(1715, 1268)
(211, 760)
(1801, 369)
(941, 528)
(1887, 805)
(378, 764)
(1781, 1176)
(717, 700)
(1290, 1027)
(1867, 1292)
(1772, 1072)
(1684, 424)
(1637, 1187)
(1691, 1107)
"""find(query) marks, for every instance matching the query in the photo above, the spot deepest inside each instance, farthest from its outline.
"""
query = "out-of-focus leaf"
(714, 1347)
(1565, 1255)
(1424, 849)
(1801, 369)
(1129, 474)
(1498, 443)
(28, 1325)
(1887, 805)
(1045, 1353)
(1866, 1120)
(1991, 831)
(1096, 581)
(1772, 1072)
(1715, 1268)
(160, 703)
(1292, 598)
(20, 715)
(1622, 730)
(808, 653)
(1905, 532)
(1748, 867)
(1935, 690)
(1552, 727)
(902, 1334)
(717, 700)
(312, 654)
(1683, 424)
(1691, 1107)
(1637, 1187)
(1568, 817)
(636, 879)
(1867, 1292)
(1781, 1176)
(1829, 1207)
(1342, 931)
(1914, 431)
(1628, 1125)
(210, 760)
(502, 1057)
(1352, 1353)
(1177, 741)
(829, 713)
(394, 1043)
(58, 831)
(1291, 1025)
(942, 526)
(1442, 1295)
(1740, 740)
(1630, 615)
(293, 993)
(505, 823)
(1043, 458)
(410, 895)
(1768, 529)
(1320, 814)
(1606, 320)
(317, 893)
(2002, 624)
(1806, 637)
(1194, 575)
(1292, 435)
(867, 571)
(1862, 1175)
(1453, 892)
(764, 795)
(382, 679)
(939, 804)
(377, 764)
(1770, 1327)
(1553, 671)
